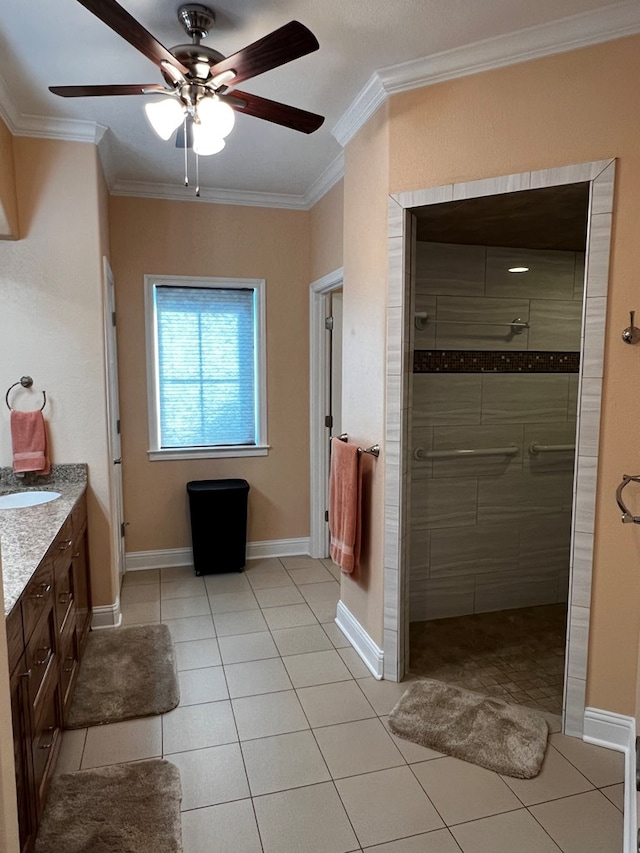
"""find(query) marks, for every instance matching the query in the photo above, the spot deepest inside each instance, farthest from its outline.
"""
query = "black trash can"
(218, 510)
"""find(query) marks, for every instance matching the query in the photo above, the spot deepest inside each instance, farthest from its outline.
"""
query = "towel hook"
(26, 382)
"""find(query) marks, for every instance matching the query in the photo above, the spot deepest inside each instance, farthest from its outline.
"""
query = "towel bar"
(374, 450)
(26, 382)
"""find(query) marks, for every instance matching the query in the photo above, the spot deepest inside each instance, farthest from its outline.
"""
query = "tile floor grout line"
(544, 829)
(359, 680)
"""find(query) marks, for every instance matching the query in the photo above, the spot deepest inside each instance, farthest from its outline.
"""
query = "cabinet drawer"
(46, 737)
(40, 655)
(63, 543)
(69, 655)
(37, 597)
(64, 592)
(15, 637)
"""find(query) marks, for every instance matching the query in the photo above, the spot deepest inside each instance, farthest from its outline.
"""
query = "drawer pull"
(70, 659)
(26, 674)
(76, 555)
(46, 588)
(65, 597)
(46, 658)
(66, 544)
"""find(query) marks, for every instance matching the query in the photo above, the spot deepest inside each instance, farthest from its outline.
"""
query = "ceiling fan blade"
(93, 91)
(273, 111)
(291, 41)
(125, 25)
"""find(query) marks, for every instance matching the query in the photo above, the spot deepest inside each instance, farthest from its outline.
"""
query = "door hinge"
(123, 527)
(113, 318)
(326, 515)
(328, 421)
(328, 324)
(118, 426)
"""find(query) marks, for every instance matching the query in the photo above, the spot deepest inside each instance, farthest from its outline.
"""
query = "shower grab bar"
(627, 517)
(517, 326)
(550, 448)
(420, 453)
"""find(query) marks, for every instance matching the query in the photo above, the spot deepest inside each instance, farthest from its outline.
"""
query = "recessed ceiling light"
(518, 269)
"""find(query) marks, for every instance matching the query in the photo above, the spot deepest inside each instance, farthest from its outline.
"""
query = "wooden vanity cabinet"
(46, 634)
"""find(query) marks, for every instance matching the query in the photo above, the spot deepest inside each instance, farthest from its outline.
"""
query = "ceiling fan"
(198, 79)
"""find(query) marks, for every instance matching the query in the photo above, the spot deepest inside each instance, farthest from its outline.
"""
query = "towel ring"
(26, 382)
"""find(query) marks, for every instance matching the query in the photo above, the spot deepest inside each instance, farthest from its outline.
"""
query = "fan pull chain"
(186, 162)
(197, 177)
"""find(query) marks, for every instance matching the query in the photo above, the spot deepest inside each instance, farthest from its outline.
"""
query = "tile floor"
(515, 655)
(282, 744)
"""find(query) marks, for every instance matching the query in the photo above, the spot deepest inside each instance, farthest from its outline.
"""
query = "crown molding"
(588, 28)
(323, 183)
(176, 192)
(372, 96)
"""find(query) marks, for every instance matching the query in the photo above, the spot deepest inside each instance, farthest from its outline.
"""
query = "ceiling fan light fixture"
(215, 116)
(206, 141)
(164, 116)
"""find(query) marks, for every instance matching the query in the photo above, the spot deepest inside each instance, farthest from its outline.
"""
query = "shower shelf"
(420, 453)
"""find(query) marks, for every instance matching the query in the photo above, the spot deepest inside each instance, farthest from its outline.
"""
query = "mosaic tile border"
(489, 361)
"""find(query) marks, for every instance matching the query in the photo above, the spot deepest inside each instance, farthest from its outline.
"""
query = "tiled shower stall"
(496, 357)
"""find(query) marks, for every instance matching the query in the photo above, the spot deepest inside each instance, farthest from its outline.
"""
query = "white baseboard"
(615, 731)
(107, 616)
(164, 559)
(372, 656)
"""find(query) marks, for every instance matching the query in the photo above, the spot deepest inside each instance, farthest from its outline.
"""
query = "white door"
(113, 421)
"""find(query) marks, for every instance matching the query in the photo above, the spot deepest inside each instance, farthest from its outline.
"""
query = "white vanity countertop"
(27, 533)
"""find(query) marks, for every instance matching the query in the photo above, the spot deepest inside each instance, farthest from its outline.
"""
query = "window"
(206, 367)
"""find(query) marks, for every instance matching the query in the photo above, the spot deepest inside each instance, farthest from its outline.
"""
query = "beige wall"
(51, 319)
(575, 107)
(327, 232)
(8, 201)
(364, 355)
(190, 238)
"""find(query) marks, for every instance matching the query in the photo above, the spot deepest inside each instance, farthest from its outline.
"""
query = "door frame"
(319, 368)
(111, 375)
(600, 175)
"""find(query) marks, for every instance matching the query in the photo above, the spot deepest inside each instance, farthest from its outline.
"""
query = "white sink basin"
(18, 500)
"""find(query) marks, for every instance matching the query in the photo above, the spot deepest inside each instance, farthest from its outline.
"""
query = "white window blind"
(206, 366)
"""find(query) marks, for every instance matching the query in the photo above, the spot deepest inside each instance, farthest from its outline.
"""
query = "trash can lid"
(216, 485)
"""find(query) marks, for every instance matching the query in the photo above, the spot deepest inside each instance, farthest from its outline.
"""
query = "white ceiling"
(58, 42)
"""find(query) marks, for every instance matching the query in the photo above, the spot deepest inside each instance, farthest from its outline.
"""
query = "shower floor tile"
(515, 655)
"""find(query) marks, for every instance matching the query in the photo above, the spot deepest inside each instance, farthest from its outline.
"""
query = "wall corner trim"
(615, 731)
(372, 656)
(106, 616)
(137, 561)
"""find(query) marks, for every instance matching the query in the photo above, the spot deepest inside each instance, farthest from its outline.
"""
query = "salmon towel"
(29, 440)
(344, 505)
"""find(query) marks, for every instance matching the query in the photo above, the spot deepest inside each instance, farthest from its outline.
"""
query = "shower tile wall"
(493, 532)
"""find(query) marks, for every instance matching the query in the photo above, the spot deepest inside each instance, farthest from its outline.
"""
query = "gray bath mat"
(125, 673)
(488, 732)
(125, 808)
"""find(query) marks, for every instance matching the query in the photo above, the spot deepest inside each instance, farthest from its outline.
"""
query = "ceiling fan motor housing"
(196, 19)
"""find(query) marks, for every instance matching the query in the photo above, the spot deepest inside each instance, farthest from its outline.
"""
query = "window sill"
(167, 454)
